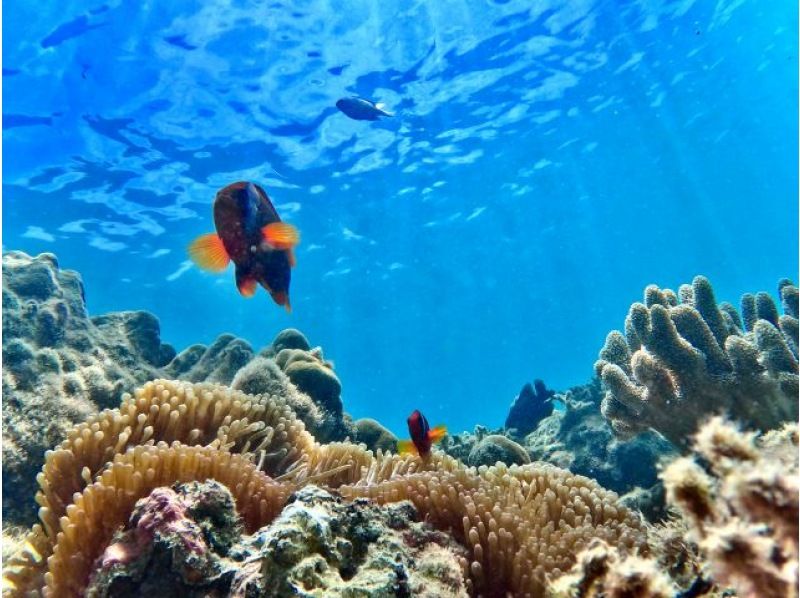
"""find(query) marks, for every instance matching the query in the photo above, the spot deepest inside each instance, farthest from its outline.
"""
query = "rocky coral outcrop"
(322, 545)
(60, 365)
(189, 541)
(497, 448)
(219, 362)
(374, 435)
(684, 358)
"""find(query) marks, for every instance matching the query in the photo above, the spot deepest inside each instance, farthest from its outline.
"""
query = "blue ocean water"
(548, 159)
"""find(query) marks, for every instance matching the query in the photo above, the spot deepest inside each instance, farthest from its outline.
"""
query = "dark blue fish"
(361, 109)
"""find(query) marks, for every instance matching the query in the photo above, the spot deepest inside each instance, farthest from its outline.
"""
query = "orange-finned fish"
(422, 436)
(249, 233)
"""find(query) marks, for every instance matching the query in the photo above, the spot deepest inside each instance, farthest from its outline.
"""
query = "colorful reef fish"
(362, 109)
(249, 233)
(422, 436)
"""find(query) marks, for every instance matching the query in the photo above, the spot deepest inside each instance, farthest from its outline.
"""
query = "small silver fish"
(362, 109)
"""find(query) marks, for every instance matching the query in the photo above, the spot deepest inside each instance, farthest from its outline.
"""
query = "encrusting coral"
(741, 502)
(683, 358)
(519, 523)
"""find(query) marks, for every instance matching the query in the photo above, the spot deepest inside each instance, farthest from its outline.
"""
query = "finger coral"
(742, 506)
(683, 358)
(519, 523)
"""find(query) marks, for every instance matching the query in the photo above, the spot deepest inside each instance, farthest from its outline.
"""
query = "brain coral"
(683, 358)
(519, 524)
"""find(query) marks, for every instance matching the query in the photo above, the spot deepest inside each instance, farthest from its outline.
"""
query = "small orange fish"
(249, 233)
(422, 436)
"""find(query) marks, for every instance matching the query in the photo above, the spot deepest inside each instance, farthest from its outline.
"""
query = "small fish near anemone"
(422, 436)
(251, 235)
(362, 109)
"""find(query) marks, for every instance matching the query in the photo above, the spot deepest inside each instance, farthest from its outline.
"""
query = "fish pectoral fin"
(406, 447)
(436, 434)
(292, 259)
(208, 252)
(281, 235)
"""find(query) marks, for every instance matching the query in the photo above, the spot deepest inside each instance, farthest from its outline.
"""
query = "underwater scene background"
(543, 339)
(547, 161)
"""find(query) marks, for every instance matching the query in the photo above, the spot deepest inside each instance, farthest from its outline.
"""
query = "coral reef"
(264, 376)
(740, 499)
(314, 376)
(176, 540)
(600, 572)
(497, 448)
(519, 523)
(189, 542)
(219, 362)
(60, 365)
(374, 435)
(288, 367)
(322, 545)
(683, 358)
(531, 406)
(737, 497)
(290, 338)
(579, 438)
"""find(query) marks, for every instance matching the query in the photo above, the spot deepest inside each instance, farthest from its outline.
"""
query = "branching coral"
(742, 506)
(519, 523)
(682, 360)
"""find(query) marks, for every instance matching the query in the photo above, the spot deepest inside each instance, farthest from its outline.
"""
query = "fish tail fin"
(281, 235)
(436, 434)
(208, 252)
(406, 447)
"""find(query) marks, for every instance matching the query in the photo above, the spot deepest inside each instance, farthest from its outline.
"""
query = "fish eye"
(252, 249)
